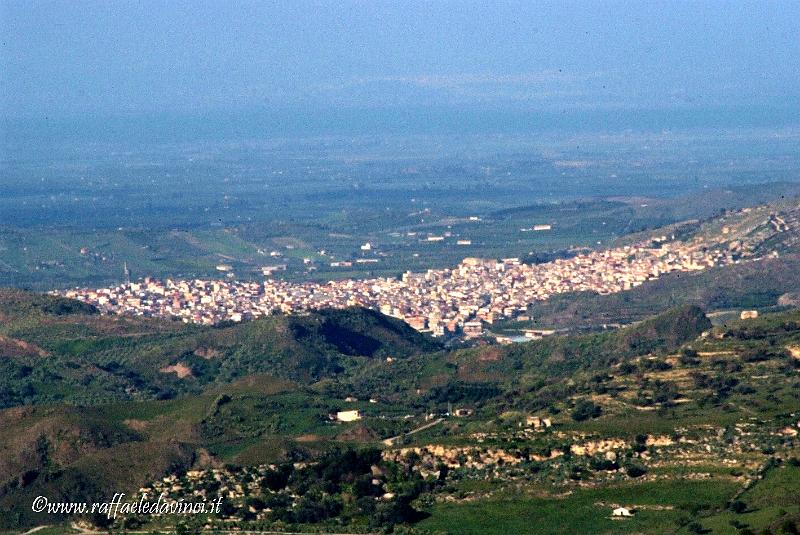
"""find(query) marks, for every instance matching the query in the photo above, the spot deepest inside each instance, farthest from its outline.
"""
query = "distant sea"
(18, 133)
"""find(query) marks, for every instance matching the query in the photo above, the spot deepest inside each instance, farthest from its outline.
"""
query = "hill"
(487, 371)
(761, 244)
(73, 455)
(17, 303)
(757, 284)
(644, 416)
(55, 350)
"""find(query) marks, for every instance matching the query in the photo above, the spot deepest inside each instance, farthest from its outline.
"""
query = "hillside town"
(450, 301)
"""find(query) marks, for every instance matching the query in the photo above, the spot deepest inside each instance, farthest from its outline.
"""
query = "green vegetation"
(46, 256)
(690, 426)
(659, 509)
(57, 350)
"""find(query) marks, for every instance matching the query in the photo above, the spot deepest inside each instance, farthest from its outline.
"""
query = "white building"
(348, 416)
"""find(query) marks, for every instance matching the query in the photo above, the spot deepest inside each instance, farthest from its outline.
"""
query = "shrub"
(755, 355)
(788, 526)
(655, 364)
(737, 506)
(635, 470)
(695, 527)
(585, 409)
(689, 360)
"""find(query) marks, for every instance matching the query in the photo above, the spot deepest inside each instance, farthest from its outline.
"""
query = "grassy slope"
(756, 353)
(769, 503)
(265, 417)
(552, 357)
(54, 350)
(57, 350)
(583, 511)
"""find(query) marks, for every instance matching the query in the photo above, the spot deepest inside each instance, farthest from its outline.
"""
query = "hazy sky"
(127, 57)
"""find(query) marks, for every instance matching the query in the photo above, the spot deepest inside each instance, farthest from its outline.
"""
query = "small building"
(348, 416)
(621, 512)
(748, 314)
(366, 247)
(268, 270)
(537, 334)
(473, 328)
(538, 423)
(417, 322)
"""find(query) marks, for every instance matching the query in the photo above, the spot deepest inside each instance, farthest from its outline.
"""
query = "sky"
(60, 58)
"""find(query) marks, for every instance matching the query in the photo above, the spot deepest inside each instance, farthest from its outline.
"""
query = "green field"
(658, 509)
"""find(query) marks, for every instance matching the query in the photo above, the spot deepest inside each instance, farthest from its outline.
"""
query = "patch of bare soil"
(180, 369)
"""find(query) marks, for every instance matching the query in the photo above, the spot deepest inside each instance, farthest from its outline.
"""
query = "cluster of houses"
(458, 301)
(218, 485)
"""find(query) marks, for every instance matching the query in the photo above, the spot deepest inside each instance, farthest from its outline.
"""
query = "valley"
(346, 420)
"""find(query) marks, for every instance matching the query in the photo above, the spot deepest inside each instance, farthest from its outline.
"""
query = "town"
(450, 301)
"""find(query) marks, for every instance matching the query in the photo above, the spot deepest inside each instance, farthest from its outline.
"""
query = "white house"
(621, 511)
(348, 416)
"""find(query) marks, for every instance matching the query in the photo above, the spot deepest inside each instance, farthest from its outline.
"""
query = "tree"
(585, 409)
(737, 506)
(635, 470)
